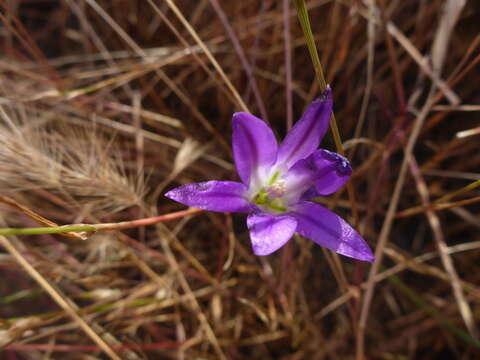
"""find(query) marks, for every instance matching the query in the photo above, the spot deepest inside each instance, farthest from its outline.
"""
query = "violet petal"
(305, 136)
(223, 196)
(269, 233)
(332, 171)
(321, 173)
(254, 145)
(329, 230)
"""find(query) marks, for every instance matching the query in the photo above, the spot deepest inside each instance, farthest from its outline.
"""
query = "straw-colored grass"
(106, 105)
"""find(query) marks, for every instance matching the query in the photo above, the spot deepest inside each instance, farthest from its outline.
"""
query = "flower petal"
(321, 173)
(332, 171)
(223, 196)
(305, 136)
(269, 233)
(331, 231)
(254, 145)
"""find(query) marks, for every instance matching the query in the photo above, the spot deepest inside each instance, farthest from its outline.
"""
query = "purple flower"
(277, 182)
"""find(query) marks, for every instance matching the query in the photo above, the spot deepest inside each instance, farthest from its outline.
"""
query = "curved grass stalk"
(90, 228)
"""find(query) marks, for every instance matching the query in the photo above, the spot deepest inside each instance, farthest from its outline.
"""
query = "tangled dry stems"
(104, 107)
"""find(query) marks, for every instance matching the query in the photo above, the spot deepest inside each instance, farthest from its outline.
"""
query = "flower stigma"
(269, 197)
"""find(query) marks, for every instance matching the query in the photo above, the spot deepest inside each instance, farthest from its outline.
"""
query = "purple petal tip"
(222, 196)
(365, 254)
(327, 95)
(341, 164)
(253, 144)
(268, 233)
(329, 230)
(304, 138)
(172, 194)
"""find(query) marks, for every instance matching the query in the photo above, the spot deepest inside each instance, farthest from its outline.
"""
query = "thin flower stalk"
(303, 18)
(89, 228)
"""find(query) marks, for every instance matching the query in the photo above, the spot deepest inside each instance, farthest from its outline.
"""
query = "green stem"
(465, 189)
(303, 18)
(79, 228)
(48, 230)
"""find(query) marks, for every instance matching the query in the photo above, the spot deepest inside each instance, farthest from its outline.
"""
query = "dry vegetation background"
(105, 105)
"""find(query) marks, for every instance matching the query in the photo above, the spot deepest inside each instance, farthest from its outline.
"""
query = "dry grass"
(105, 105)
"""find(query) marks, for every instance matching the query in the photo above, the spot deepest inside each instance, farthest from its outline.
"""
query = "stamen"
(270, 197)
(277, 189)
(274, 178)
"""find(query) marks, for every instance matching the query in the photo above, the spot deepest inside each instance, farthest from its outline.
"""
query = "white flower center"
(270, 195)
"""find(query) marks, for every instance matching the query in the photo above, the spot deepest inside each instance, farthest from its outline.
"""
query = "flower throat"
(270, 196)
